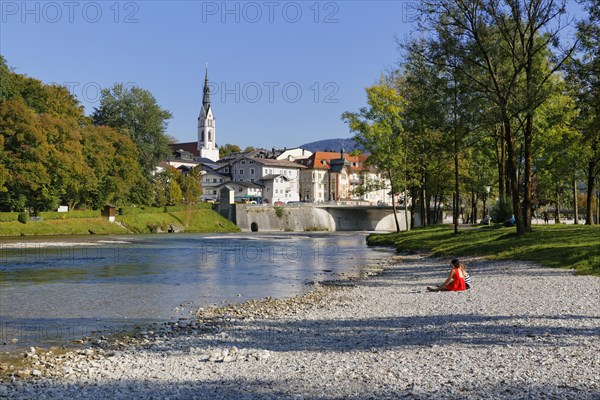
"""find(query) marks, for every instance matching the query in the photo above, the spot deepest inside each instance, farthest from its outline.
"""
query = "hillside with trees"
(52, 154)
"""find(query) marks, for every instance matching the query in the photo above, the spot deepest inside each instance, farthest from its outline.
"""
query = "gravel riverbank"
(522, 332)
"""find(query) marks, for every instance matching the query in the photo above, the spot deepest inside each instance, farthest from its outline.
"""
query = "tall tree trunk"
(422, 207)
(474, 207)
(414, 194)
(456, 192)
(393, 189)
(575, 206)
(512, 173)
(591, 179)
(557, 207)
(428, 207)
(527, 174)
(501, 160)
(406, 222)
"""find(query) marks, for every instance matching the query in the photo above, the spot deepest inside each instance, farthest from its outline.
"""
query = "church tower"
(206, 126)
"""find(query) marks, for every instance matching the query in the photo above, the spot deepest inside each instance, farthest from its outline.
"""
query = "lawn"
(70, 226)
(566, 246)
(199, 218)
(195, 220)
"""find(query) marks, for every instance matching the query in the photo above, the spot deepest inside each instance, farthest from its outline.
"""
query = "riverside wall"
(261, 218)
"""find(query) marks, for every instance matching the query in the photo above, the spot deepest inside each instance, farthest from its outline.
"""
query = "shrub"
(502, 210)
(23, 217)
(279, 211)
(9, 217)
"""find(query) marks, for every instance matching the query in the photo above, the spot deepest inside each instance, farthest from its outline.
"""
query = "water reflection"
(124, 281)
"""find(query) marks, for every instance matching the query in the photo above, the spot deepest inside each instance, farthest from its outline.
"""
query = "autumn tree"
(51, 155)
(378, 130)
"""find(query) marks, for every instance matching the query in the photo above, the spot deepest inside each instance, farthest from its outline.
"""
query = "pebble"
(383, 337)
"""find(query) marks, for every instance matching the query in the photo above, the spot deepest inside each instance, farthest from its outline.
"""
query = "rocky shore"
(522, 331)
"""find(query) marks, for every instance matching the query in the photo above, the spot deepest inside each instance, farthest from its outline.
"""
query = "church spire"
(207, 142)
(206, 98)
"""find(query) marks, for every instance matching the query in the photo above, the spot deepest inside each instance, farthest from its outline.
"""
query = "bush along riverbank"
(199, 218)
(565, 246)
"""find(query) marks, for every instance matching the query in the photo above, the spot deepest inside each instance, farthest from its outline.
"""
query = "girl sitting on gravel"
(455, 281)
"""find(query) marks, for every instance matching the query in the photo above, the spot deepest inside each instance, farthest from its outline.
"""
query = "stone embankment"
(522, 331)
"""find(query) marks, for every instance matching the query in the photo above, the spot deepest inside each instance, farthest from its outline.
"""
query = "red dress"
(458, 282)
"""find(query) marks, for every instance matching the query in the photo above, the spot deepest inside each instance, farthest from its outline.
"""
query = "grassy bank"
(567, 246)
(147, 220)
(196, 220)
(67, 226)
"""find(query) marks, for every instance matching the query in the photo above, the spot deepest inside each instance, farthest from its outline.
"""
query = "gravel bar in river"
(522, 331)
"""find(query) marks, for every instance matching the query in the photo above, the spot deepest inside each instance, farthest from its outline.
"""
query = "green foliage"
(190, 186)
(23, 218)
(502, 210)
(278, 211)
(315, 229)
(142, 192)
(563, 246)
(135, 113)
(9, 216)
(154, 210)
(227, 149)
(378, 130)
(50, 155)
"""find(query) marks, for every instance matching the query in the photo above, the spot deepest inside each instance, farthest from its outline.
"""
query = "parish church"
(205, 149)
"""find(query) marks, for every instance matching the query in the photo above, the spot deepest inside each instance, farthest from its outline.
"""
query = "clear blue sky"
(282, 72)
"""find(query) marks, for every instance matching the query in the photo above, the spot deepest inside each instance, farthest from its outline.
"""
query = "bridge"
(309, 217)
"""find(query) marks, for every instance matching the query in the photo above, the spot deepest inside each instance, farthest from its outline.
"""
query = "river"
(56, 290)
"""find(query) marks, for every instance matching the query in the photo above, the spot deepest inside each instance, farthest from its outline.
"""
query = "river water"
(53, 291)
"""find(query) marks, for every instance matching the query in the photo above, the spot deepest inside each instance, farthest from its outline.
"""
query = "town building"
(278, 178)
(211, 182)
(332, 176)
(245, 192)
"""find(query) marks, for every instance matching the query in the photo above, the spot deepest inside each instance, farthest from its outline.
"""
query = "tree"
(25, 153)
(423, 116)
(135, 112)
(378, 130)
(190, 185)
(504, 44)
(227, 149)
(50, 154)
(113, 158)
(584, 77)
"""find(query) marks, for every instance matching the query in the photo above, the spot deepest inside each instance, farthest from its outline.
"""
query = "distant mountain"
(330, 145)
